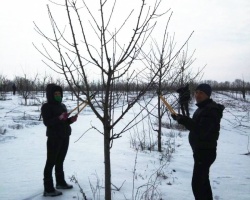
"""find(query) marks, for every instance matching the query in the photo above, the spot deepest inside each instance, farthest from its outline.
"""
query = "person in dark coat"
(56, 119)
(204, 129)
(14, 88)
(184, 98)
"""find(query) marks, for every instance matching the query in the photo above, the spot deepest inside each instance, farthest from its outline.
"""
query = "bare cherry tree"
(96, 43)
(240, 86)
(171, 65)
(26, 87)
(4, 86)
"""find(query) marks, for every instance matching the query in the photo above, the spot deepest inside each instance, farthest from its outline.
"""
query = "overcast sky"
(221, 36)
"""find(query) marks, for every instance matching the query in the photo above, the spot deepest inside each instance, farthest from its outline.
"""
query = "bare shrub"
(138, 140)
(149, 191)
(95, 188)
(74, 180)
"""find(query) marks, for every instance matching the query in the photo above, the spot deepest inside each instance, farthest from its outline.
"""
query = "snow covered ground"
(23, 155)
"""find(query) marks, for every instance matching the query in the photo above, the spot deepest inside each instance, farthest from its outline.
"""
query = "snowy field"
(23, 155)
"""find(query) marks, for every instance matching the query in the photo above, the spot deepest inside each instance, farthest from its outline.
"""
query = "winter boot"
(61, 183)
(49, 190)
(52, 194)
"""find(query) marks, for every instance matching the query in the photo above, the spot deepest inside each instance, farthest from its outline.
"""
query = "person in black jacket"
(204, 130)
(56, 119)
(14, 88)
(184, 98)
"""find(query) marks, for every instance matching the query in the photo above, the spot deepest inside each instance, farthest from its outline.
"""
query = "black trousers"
(184, 108)
(203, 159)
(57, 148)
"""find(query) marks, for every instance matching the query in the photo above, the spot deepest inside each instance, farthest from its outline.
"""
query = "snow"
(23, 155)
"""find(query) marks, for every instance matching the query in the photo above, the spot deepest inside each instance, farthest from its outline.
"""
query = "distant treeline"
(25, 85)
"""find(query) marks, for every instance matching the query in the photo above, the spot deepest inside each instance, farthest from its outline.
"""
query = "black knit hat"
(205, 88)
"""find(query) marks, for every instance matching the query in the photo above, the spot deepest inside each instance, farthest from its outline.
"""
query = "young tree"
(5, 86)
(26, 87)
(161, 61)
(240, 86)
(42, 82)
(96, 43)
(170, 65)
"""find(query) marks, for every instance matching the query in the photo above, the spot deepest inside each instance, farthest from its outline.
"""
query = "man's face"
(200, 96)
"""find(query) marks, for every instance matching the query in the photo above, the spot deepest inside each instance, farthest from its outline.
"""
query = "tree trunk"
(107, 164)
(159, 125)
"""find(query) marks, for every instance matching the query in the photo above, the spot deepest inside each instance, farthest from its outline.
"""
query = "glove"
(174, 116)
(63, 116)
(179, 118)
(73, 118)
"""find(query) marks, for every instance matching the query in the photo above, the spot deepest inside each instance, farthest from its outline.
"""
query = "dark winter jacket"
(205, 125)
(184, 94)
(51, 112)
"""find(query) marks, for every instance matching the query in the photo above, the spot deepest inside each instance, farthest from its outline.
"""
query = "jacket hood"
(212, 104)
(50, 89)
(220, 108)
